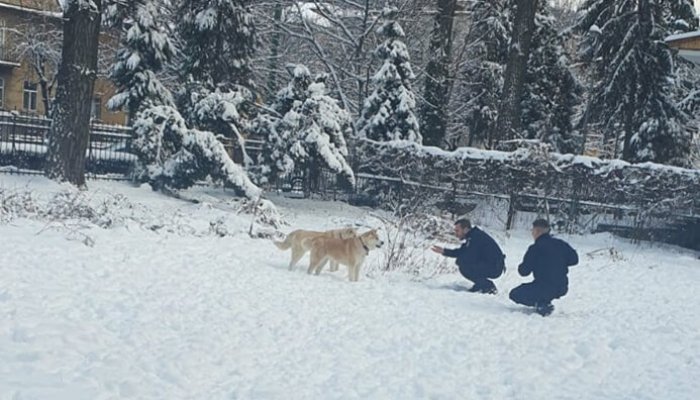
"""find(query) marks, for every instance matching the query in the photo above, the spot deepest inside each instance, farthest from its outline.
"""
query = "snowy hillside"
(141, 296)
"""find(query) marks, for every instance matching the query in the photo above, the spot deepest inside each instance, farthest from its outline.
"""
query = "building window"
(96, 108)
(2, 93)
(29, 98)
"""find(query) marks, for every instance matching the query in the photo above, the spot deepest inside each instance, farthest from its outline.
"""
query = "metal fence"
(24, 144)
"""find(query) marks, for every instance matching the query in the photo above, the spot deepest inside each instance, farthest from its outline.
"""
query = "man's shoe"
(488, 288)
(491, 290)
(544, 309)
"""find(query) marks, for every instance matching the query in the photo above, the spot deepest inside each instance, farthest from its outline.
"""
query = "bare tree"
(38, 44)
(335, 36)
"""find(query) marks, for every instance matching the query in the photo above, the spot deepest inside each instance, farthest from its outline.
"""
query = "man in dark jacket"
(548, 259)
(479, 258)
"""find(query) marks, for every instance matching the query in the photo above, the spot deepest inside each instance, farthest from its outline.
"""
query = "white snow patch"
(183, 314)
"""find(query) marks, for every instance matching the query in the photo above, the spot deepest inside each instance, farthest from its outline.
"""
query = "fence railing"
(24, 144)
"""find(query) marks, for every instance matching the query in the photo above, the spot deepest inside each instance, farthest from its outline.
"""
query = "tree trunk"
(45, 89)
(508, 122)
(70, 129)
(274, 52)
(437, 76)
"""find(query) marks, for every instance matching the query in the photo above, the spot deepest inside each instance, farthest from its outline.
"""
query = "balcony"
(6, 58)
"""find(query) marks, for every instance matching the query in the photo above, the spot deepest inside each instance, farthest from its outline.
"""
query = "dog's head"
(371, 239)
(346, 233)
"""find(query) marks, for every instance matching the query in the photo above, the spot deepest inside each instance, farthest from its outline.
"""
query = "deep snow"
(159, 307)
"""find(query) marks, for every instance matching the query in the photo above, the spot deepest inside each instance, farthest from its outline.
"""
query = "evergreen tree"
(636, 72)
(145, 50)
(307, 129)
(389, 112)
(218, 39)
(508, 124)
(171, 155)
(483, 73)
(552, 92)
(438, 79)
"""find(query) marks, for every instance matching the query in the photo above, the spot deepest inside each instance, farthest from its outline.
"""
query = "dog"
(299, 241)
(350, 252)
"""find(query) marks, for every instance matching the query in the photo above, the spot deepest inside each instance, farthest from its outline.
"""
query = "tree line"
(306, 76)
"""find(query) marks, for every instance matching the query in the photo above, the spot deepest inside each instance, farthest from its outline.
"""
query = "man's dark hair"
(541, 223)
(464, 223)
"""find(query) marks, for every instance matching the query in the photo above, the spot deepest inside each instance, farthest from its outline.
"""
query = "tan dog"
(350, 252)
(299, 241)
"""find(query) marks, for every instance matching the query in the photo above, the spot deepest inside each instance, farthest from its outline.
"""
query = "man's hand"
(437, 249)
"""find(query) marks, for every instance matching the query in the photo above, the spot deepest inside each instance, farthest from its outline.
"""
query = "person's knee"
(468, 273)
(523, 295)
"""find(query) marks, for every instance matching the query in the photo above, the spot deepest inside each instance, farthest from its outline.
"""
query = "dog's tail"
(285, 244)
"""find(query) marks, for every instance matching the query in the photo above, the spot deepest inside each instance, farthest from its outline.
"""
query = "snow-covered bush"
(535, 171)
(175, 156)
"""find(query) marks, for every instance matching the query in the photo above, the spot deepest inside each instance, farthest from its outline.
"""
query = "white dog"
(350, 252)
(299, 241)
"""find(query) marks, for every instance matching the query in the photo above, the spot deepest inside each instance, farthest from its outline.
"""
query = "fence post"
(511, 211)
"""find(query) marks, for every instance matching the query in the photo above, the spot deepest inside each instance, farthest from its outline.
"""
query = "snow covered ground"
(148, 297)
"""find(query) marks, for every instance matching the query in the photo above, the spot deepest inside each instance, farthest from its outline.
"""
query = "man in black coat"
(479, 258)
(548, 259)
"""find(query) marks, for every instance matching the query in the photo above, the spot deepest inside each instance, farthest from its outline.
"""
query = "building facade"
(30, 52)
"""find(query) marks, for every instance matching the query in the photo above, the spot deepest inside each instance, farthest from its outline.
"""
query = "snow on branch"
(173, 155)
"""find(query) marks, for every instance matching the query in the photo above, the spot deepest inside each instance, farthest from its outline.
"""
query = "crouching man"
(548, 259)
(479, 258)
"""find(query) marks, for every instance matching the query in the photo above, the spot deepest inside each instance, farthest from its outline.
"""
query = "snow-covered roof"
(683, 36)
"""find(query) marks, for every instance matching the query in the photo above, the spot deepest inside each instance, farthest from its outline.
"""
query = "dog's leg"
(334, 266)
(356, 272)
(320, 266)
(297, 254)
(315, 260)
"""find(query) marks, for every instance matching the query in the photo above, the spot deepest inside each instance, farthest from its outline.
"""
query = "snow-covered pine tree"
(305, 130)
(170, 154)
(552, 92)
(389, 113)
(482, 74)
(636, 72)
(145, 49)
(218, 40)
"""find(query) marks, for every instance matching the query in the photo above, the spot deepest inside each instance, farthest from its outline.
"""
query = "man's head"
(539, 227)
(462, 227)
